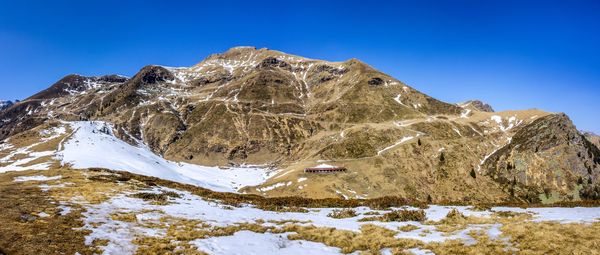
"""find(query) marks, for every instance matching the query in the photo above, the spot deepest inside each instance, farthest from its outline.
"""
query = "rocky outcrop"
(545, 160)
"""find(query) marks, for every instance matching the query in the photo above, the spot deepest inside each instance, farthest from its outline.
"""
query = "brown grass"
(294, 201)
(399, 215)
(408, 228)
(483, 245)
(553, 237)
(343, 213)
(371, 238)
(156, 198)
(277, 208)
(124, 216)
(21, 232)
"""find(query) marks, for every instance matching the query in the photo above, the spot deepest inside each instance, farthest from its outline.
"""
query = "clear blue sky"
(514, 55)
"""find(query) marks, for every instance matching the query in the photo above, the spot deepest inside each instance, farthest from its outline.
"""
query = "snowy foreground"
(191, 207)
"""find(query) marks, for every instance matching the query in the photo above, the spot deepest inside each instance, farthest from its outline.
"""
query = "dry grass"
(371, 238)
(22, 232)
(372, 213)
(553, 237)
(94, 187)
(408, 228)
(342, 213)
(279, 203)
(124, 216)
(156, 198)
(455, 221)
(399, 215)
(481, 207)
(483, 245)
(277, 208)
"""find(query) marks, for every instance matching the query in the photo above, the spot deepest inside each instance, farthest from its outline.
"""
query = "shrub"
(372, 213)
(159, 198)
(399, 215)
(481, 207)
(408, 228)
(276, 208)
(454, 215)
(343, 213)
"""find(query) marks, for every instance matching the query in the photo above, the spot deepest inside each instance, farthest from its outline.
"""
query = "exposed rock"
(376, 81)
(545, 159)
(153, 74)
(271, 62)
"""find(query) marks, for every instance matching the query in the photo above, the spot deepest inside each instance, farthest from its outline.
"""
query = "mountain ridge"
(259, 106)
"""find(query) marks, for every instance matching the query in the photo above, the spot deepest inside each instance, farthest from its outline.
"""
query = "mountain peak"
(476, 105)
(75, 83)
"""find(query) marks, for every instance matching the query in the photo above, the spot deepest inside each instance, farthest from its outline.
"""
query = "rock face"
(476, 105)
(259, 106)
(547, 159)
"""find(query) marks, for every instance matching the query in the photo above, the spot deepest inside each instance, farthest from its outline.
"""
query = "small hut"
(324, 168)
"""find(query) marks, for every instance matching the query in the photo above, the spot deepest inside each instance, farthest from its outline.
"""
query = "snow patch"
(36, 178)
(94, 145)
(189, 206)
(272, 187)
(247, 242)
(403, 140)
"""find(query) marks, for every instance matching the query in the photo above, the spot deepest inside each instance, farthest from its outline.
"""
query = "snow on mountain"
(24, 158)
(94, 145)
(5, 104)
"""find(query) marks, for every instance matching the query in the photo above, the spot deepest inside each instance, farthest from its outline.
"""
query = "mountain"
(5, 104)
(476, 105)
(251, 106)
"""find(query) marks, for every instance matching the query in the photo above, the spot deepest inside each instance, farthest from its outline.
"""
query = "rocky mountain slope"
(264, 107)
